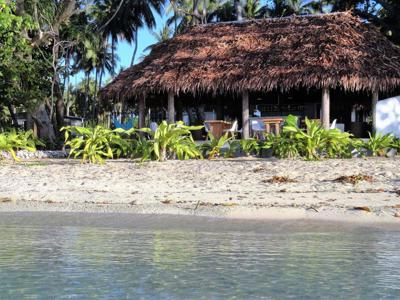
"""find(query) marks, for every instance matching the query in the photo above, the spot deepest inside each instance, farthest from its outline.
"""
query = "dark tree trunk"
(60, 111)
(59, 106)
(94, 108)
(11, 108)
(135, 48)
(112, 57)
(195, 16)
(100, 79)
(86, 94)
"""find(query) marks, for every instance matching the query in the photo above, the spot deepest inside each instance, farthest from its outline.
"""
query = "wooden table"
(274, 122)
(217, 127)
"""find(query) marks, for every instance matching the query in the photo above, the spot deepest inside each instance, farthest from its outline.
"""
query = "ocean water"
(109, 256)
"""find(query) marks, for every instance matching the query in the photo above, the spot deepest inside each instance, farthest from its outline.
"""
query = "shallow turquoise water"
(64, 256)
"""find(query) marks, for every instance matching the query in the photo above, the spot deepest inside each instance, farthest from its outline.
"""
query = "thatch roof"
(335, 50)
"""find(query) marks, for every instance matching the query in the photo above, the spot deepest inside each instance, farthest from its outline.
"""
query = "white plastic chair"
(333, 125)
(257, 128)
(234, 129)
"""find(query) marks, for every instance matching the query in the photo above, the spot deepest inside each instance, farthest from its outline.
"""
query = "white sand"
(221, 188)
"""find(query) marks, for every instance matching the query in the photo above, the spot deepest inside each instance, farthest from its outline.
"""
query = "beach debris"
(166, 201)
(197, 205)
(312, 208)
(5, 199)
(258, 169)
(372, 191)
(229, 204)
(279, 179)
(364, 208)
(132, 202)
(226, 204)
(354, 179)
(397, 215)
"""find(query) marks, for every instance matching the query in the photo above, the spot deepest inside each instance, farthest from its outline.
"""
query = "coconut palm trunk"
(135, 48)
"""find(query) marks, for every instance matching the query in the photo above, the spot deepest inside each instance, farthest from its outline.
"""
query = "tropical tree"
(122, 19)
(163, 35)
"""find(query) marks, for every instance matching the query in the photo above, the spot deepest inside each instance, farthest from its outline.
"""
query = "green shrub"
(234, 148)
(96, 144)
(251, 146)
(396, 145)
(170, 141)
(212, 148)
(13, 141)
(312, 143)
(282, 146)
(379, 144)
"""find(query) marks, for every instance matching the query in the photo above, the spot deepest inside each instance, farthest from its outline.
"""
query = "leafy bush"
(96, 144)
(170, 141)
(212, 148)
(13, 141)
(234, 148)
(313, 143)
(282, 146)
(396, 144)
(251, 146)
(379, 144)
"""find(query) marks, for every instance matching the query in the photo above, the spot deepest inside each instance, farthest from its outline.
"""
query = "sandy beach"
(247, 188)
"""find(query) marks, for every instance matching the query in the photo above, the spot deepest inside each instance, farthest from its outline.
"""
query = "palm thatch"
(333, 50)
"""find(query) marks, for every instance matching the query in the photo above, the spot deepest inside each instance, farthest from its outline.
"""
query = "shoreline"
(171, 222)
(229, 189)
(226, 213)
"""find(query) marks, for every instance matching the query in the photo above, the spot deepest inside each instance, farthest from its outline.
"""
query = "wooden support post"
(325, 108)
(375, 97)
(142, 111)
(171, 108)
(245, 115)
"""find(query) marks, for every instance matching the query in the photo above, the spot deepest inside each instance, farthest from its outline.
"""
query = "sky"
(145, 39)
(125, 50)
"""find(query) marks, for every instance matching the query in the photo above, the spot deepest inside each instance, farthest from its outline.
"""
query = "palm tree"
(186, 13)
(163, 35)
(94, 54)
(282, 8)
(122, 19)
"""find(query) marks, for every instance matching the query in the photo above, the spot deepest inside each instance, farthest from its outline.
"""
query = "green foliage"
(96, 144)
(170, 141)
(379, 144)
(282, 146)
(13, 141)
(312, 143)
(212, 148)
(251, 146)
(143, 148)
(396, 145)
(234, 148)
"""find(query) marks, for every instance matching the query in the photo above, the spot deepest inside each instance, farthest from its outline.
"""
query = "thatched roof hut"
(327, 51)
(331, 50)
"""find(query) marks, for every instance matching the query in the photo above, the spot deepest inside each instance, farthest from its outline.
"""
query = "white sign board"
(388, 116)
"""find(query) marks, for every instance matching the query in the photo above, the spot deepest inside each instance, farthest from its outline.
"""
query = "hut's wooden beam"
(245, 115)
(375, 97)
(325, 108)
(142, 111)
(171, 107)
